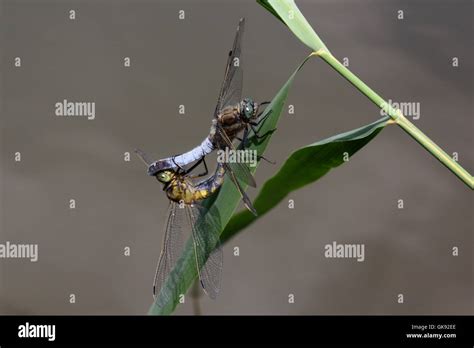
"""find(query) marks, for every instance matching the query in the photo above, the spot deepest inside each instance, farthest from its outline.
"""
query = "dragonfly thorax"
(179, 190)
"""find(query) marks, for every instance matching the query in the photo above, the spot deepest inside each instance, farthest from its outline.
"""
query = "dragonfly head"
(165, 176)
(248, 108)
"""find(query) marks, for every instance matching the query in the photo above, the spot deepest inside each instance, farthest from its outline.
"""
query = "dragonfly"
(232, 115)
(186, 214)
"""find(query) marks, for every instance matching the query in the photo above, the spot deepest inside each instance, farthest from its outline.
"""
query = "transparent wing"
(241, 170)
(231, 89)
(171, 248)
(207, 248)
(247, 202)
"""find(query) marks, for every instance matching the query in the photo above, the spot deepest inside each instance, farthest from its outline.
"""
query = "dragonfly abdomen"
(203, 149)
(207, 187)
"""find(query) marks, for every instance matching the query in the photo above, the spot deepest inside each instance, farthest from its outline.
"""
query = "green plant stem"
(435, 150)
(398, 118)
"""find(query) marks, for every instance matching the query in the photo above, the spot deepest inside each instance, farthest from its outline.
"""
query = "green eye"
(163, 177)
(248, 111)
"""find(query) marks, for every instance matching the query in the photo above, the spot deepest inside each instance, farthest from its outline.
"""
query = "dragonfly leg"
(203, 160)
(258, 136)
(261, 119)
(260, 122)
(198, 162)
(180, 169)
(259, 157)
(245, 138)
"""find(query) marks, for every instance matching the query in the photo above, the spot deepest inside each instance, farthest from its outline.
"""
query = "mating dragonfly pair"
(232, 116)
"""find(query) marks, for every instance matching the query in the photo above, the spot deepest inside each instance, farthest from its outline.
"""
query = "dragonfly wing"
(231, 89)
(247, 202)
(241, 170)
(171, 249)
(207, 249)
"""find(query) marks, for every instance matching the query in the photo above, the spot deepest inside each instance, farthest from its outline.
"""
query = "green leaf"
(289, 13)
(219, 213)
(304, 166)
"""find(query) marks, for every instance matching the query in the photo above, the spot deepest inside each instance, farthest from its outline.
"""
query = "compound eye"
(248, 111)
(162, 176)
